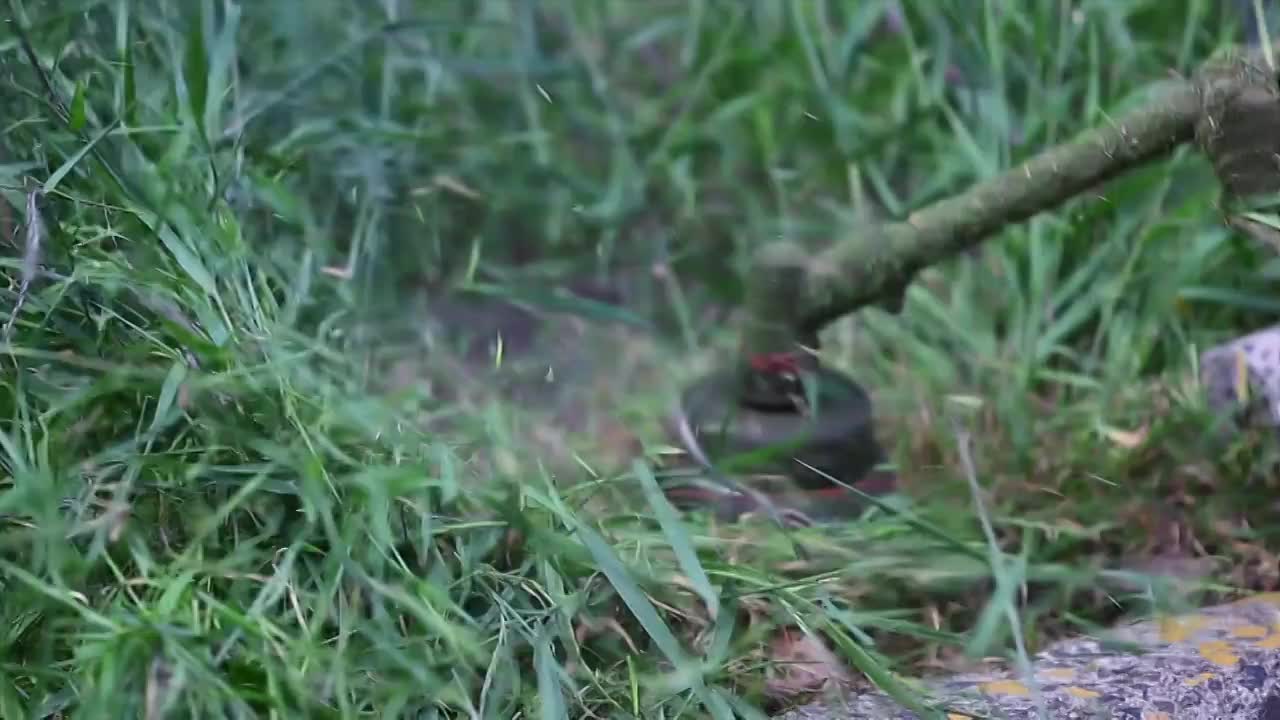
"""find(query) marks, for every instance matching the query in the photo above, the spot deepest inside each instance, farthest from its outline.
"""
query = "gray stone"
(1241, 379)
(1218, 663)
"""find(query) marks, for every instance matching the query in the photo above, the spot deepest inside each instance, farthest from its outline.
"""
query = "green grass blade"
(677, 535)
(57, 176)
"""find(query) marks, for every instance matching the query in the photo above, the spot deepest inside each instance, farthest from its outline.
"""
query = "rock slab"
(1217, 663)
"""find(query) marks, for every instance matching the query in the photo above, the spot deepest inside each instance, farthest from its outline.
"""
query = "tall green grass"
(226, 223)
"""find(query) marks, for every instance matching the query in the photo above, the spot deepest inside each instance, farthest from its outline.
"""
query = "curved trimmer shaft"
(1230, 106)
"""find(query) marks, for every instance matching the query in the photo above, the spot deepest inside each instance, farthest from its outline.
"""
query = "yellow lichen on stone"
(1083, 693)
(1005, 687)
(1270, 642)
(1249, 631)
(1179, 629)
(1219, 653)
(1059, 674)
(1199, 679)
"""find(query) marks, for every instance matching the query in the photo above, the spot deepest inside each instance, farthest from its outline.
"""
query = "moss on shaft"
(787, 306)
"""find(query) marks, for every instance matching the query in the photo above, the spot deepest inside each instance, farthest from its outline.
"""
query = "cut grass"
(213, 503)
